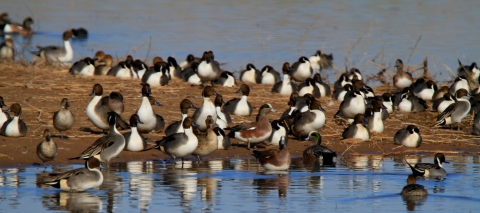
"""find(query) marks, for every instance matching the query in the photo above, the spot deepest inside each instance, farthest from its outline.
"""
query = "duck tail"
(231, 134)
(415, 171)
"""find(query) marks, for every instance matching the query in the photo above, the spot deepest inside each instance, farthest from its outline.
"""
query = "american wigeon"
(277, 160)
(14, 127)
(237, 106)
(177, 126)
(47, 149)
(286, 86)
(63, 119)
(179, 145)
(207, 108)
(317, 152)
(408, 137)
(24, 29)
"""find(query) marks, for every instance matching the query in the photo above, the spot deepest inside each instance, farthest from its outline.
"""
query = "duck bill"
(157, 104)
(193, 106)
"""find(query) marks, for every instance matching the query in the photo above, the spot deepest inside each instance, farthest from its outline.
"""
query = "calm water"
(263, 32)
(359, 184)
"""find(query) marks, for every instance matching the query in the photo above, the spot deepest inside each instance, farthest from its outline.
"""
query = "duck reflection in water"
(280, 183)
(73, 202)
(413, 194)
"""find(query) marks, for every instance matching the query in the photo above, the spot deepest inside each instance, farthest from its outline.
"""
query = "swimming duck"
(285, 87)
(311, 120)
(77, 180)
(134, 141)
(320, 61)
(207, 143)
(402, 79)
(102, 69)
(6, 49)
(250, 74)
(177, 126)
(408, 137)
(375, 121)
(238, 106)
(413, 189)
(188, 61)
(255, 132)
(441, 104)
(410, 103)
(14, 127)
(79, 32)
(160, 125)
(24, 29)
(301, 70)
(83, 67)
(434, 169)
(208, 108)
(269, 75)
(56, 53)
(226, 79)
(158, 76)
(317, 152)
(145, 112)
(323, 87)
(460, 83)
(279, 129)
(208, 69)
(309, 86)
(357, 129)
(223, 140)
(97, 110)
(455, 112)
(223, 120)
(274, 160)
(63, 119)
(47, 149)
(190, 74)
(4, 116)
(179, 144)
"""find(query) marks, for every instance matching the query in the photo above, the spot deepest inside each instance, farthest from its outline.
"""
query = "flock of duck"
(204, 132)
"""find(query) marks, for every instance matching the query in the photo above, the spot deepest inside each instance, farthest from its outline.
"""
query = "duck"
(188, 61)
(57, 53)
(106, 147)
(317, 152)
(309, 86)
(145, 112)
(410, 103)
(14, 127)
(47, 149)
(434, 169)
(223, 140)
(83, 67)
(238, 106)
(275, 160)
(139, 67)
(190, 74)
(312, 120)
(341, 82)
(354, 73)
(63, 119)
(470, 72)
(208, 69)
(320, 61)
(286, 86)
(440, 92)
(98, 108)
(322, 87)
(255, 132)
(339, 94)
(279, 129)
(79, 32)
(4, 20)
(353, 103)
(226, 79)
(412, 188)
(269, 75)
(250, 74)
(476, 124)
(160, 124)
(134, 141)
(115, 102)
(24, 29)
(181, 144)
(122, 70)
(208, 108)
(425, 90)
(292, 103)
(402, 79)
(7, 50)
(388, 102)
(460, 83)
(375, 121)
(102, 69)
(4, 116)
(174, 68)
(177, 126)
(301, 70)
(223, 120)
(77, 180)
(207, 143)
(99, 57)
(357, 129)
(455, 112)
(408, 137)
(158, 76)
(302, 102)
(441, 104)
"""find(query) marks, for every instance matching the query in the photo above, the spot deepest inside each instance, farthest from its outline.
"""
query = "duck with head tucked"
(14, 127)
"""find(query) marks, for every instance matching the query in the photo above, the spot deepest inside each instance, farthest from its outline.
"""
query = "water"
(359, 184)
(263, 32)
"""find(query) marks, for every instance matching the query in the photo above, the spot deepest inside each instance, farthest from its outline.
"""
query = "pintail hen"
(412, 188)
(408, 137)
(4, 116)
(357, 129)
(14, 127)
(177, 126)
(56, 53)
(179, 145)
(301, 70)
(255, 132)
(98, 108)
(6, 49)
(320, 61)
(77, 180)
(285, 87)
(63, 119)
(208, 68)
(250, 74)
(47, 149)
(318, 152)
(207, 143)
(402, 79)
(24, 29)
(434, 169)
(224, 119)
(208, 108)
(240, 106)
(277, 160)
(134, 141)
(145, 112)
(311, 120)
(102, 69)
(456, 112)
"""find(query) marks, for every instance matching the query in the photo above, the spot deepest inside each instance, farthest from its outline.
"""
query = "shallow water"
(263, 32)
(359, 184)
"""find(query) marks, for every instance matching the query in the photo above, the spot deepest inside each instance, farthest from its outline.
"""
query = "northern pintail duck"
(269, 75)
(471, 72)
(240, 106)
(208, 108)
(408, 137)
(254, 132)
(440, 92)
(301, 70)
(158, 76)
(79, 32)
(226, 79)
(410, 103)
(354, 73)
(312, 120)
(188, 61)
(98, 108)
(352, 104)
(441, 104)
(106, 147)
(14, 127)
(160, 125)
(190, 74)
(223, 139)
(320, 61)
(208, 68)
(434, 169)
(357, 129)
(302, 102)
(309, 86)
(140, 68)
(322, 86)
(4, 116)
(223, 118)
(56, 53)
(177, 126)
(388, 102)
(63, 119)
(145, 112)
(402, 79)
(77, 180)
(134, 141)
(341, 82)
(123, 70)
(179, 145)
(250, 74)
(277, 160)
(174, 68)
(6, 49)
(207, 143)
(279, 129)
(292, 102)
(457, 111)
(102, 69)
(318, 152)
(24, 29)
(339, 94)
(413, 189)
(460, 83)
(425, 90)
(374, 120)
(47, 149)
(83, 67)
(285, 87)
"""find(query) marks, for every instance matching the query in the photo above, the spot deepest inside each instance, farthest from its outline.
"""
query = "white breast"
(249, 76)
(277, 136)
(229, 82)
(389, 106)
(314, 59)
(195, 80)
(146, 115)
(268, 78)
(242, 107)
(362, 133)
(135, 142)
(377, 122)
(205, 70)
(403, 82)
(208, 108)
(88, 70)
(286, 87)
(124, 73)
(426, 94)
(94, 118)
(3, 118)
(306, 90)
(405, 105)
(411, 140)
(441, 107)
(12, 129)
(303, 71)
(154, 79)
(69, 52)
